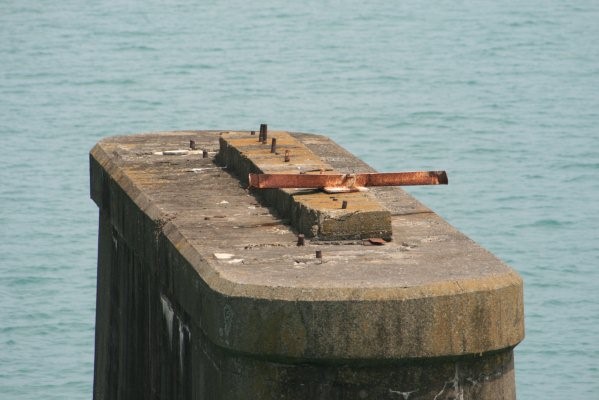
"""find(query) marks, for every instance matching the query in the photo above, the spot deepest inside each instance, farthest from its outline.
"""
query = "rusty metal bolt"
(287, 157)
(300, 239)
(253, 133)
(263, 133)
(192, 144)
(204, 153)
(273, 145)
(344, 204)
(318, 253)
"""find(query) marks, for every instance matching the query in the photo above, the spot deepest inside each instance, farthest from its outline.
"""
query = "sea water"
(502, 95)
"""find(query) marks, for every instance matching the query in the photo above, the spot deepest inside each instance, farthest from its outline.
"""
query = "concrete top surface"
(247, 246)
(240, 249)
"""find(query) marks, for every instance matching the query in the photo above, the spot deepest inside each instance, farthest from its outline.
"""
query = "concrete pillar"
(204, 294)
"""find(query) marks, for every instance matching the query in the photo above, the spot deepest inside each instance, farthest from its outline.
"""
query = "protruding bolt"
(204, 153)
(192, 144)
(287, 157)
(273, 145)
(300, 239)
(318, 253)
(263, 133)
(253, 132)
(344, 204)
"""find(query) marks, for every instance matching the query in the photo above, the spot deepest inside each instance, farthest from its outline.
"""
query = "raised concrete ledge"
(430, 293)
(315, 214)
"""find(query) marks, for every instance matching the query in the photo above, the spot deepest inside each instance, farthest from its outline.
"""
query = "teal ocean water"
(503, 95)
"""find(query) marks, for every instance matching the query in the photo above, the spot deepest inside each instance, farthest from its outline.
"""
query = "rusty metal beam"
(347, 182)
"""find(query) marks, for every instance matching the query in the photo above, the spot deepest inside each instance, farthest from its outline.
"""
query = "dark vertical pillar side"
(102, 350)
(125, 365)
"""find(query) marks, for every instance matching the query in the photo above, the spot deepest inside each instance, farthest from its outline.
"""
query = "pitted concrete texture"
(313, 213)
(194, 259)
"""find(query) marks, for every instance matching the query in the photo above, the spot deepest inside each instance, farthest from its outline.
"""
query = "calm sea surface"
(503, 95)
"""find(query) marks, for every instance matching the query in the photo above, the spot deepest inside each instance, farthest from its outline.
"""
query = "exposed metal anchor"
(342, 183)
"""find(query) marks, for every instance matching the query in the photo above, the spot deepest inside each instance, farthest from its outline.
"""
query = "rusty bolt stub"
(287, 157)
(253, 133)
(204, 153)
(376, 241)
(300, 239)
(273, 145)
(344, 204)
(318, 253)
(192, 144)
(263, 133)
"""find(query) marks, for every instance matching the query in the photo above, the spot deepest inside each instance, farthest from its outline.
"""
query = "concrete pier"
(203, 292)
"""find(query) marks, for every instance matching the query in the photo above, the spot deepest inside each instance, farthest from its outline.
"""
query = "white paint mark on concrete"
(200, 170)
(168, 313)
(223, 256)
(183, 330)
(405, 395)
(458, 392)
(172, 153)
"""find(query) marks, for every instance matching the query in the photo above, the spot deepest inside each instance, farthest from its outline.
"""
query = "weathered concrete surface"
(203, 293)
(315, 214)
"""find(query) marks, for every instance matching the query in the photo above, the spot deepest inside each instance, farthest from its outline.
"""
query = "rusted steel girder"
(347, 182)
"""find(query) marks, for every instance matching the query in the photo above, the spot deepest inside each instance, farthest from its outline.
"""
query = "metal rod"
(263, 133)
(300, 239)
(269, 181)
(273, 145)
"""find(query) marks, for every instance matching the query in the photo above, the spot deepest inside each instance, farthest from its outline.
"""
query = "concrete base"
(203, 294)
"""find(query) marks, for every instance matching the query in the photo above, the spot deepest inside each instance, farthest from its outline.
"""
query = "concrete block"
(204, 294)
(313, 213)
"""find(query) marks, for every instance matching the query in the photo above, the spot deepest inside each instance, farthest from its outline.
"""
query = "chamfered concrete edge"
(424, 313)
